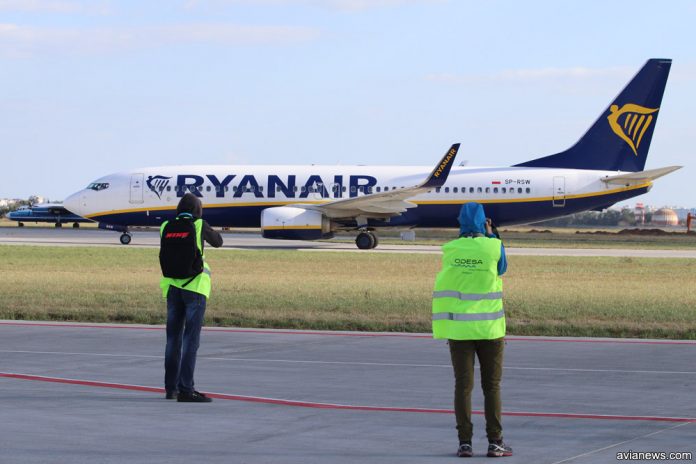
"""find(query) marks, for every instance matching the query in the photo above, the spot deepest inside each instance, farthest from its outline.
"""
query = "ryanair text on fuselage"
(248, 184)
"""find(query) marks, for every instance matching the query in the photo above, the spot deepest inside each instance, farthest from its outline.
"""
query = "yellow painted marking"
(291, 228)
(208, 206)
(645, 128)
(633, 118)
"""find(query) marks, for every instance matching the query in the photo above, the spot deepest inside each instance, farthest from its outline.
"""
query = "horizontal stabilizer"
(640, 177)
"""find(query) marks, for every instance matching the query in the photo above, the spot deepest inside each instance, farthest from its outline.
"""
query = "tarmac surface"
(249, 241)
(92, 393)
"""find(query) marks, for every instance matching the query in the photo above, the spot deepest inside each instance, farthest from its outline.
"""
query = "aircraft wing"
(640, 177)
(387, 204)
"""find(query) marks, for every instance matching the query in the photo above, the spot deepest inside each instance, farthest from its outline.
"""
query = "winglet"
(439, 175)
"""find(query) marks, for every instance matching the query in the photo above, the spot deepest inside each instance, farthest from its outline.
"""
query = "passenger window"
(455, 190)
(471, 189)
(528, 190)
(495, 189)
(519, 190)
(479, 190)
(446, 189)
(234, 189)
(169, 188)
(437, 190)
(504, 190)
(488, 190)
(207, 189)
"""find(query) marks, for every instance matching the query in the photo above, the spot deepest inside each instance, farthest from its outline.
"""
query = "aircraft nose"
(77, 203)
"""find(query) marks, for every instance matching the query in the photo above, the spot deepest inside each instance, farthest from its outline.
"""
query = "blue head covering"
(472, 219)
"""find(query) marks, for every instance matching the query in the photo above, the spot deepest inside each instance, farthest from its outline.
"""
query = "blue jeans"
(185, 311)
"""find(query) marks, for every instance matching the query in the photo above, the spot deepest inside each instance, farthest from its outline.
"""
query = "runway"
(250, 241)
(84, 393)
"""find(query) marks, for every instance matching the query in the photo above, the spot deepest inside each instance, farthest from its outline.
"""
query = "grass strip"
(572, 296)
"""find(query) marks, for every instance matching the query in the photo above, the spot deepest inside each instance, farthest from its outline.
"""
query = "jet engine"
(290, 223)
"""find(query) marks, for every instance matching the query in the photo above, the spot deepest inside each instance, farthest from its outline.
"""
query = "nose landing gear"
(125, 238)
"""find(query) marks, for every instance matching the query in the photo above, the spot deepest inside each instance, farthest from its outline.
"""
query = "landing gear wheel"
(125, 238)
(58, 225)
(20, 224)
(376, 240)
(365, 241)
(76, 225)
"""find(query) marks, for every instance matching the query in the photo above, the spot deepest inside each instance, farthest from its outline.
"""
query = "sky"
(88, 88)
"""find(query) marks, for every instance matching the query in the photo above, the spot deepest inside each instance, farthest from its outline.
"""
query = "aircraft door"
(136, 188)
(559, 191)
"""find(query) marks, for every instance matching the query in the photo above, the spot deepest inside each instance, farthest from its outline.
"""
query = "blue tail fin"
(620, 139)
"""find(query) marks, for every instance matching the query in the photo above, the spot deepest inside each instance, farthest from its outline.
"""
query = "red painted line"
(87, 383)
(79, 326)
(351, 334)
(335, 406)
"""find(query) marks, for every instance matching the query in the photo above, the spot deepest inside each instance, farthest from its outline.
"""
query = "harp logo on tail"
(631, 122)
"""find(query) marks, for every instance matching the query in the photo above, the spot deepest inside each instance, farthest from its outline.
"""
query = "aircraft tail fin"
(620, 139)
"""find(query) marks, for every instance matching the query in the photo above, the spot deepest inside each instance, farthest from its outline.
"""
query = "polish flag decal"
(496, 182)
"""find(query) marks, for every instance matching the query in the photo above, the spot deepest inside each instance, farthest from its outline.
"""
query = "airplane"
(312, 202)
(46, 212)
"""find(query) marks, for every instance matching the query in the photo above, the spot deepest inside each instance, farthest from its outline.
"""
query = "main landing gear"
(366, 240)
(125, 238)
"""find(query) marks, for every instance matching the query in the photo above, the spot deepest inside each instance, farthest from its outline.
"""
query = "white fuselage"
(233, 196)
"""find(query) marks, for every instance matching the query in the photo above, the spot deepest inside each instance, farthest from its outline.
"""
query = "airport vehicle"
(46, 212)
(310, 202)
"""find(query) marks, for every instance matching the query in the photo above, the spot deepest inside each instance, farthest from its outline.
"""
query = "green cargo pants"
(490, 355)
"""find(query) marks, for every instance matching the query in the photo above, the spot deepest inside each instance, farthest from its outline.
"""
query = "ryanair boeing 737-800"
(310, 202)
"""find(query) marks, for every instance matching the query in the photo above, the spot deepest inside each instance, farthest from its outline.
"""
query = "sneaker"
(193, 397)
(498, 449)
(171, 394)
(465, 450)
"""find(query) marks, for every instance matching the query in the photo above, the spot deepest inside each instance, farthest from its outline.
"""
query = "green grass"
(554, 238)
(624, 297)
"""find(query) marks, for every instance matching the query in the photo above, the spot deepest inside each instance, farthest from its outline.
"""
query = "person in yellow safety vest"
(186, 286)
(468, 312)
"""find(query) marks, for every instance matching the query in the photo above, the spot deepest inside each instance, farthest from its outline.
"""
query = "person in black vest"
(186, 286)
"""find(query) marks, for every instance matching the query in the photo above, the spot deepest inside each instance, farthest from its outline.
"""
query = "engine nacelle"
(289, 223)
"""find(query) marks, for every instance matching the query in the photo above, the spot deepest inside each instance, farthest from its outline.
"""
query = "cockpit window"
(98, 186)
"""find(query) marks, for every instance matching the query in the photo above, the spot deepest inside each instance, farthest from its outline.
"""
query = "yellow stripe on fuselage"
(206, 206)
(291, 228)
(423, 202)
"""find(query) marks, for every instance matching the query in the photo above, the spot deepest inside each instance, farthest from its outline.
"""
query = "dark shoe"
(193, 397)
(465, 450)
(171, 394)
(498, 449)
